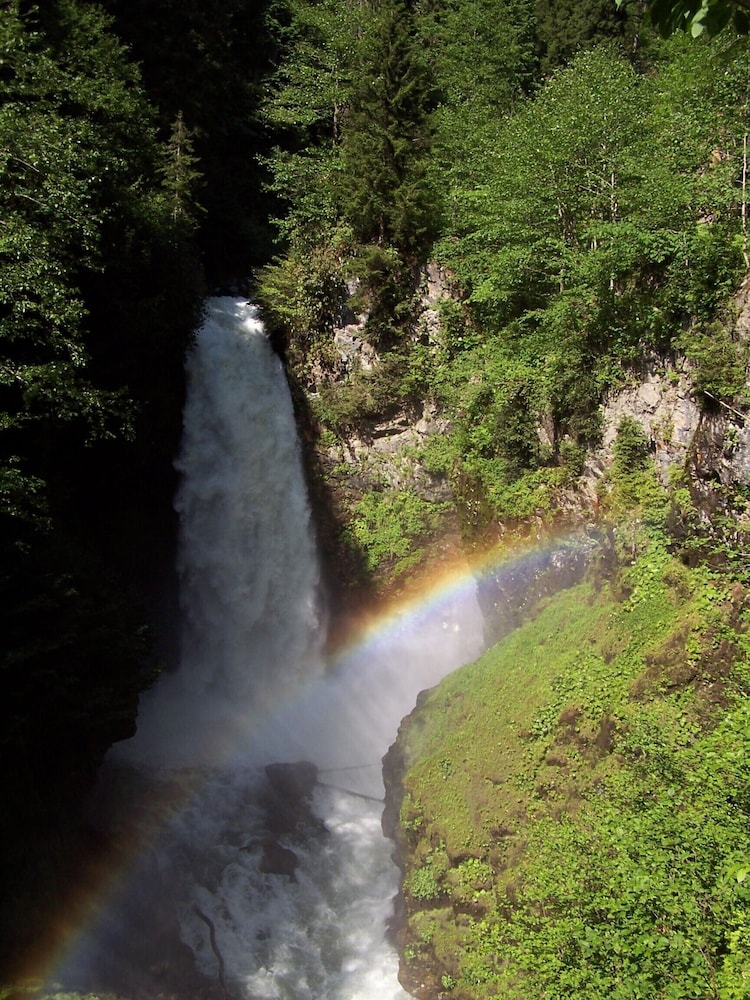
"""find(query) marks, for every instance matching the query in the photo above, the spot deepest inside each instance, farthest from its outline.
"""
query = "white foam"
(252, 689)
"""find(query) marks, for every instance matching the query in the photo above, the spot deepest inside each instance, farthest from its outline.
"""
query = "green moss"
(581, 732)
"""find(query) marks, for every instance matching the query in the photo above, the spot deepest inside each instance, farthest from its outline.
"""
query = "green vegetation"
(98, 298)
(204, 62)
(575, 810)
(587, 245)
(389, 527)
(697, 16)
(105, 220)
(579, 179)
(575, 818)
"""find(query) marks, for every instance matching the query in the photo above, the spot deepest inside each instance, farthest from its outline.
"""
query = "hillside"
(571, 811)
(577, 226)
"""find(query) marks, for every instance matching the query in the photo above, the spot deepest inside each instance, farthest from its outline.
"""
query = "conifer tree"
(386, 139)
(180, 175)
(307, 99)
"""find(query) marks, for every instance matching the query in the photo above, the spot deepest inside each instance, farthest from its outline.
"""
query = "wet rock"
(294, 781)
(287, 799)
(278, 860)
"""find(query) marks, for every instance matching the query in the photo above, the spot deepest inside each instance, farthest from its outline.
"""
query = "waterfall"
(275, 896)
(247, 563)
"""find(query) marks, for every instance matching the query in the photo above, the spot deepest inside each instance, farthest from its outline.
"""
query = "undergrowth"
(575, 819)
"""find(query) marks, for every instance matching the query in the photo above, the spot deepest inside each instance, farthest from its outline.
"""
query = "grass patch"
(543, 779)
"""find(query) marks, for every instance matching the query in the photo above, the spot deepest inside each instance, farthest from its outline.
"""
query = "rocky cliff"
(367, 441)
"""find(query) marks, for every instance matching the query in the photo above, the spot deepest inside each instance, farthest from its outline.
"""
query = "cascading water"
(275, 898)
(247, 563)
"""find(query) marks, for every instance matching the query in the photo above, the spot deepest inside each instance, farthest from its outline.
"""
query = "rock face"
(383, 449)
(380, 452)
(377, 452)
(685, 427)
(288, 814)
(420, 979)
(712, 439)
(286, 800)
(278, 860)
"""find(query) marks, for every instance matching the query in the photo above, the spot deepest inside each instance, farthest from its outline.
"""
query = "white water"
(247, 565)
(252, 688)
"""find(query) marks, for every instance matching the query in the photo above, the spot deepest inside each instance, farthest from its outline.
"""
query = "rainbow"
(434, 599)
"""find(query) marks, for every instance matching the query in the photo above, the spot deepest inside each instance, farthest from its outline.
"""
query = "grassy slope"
(547, 800)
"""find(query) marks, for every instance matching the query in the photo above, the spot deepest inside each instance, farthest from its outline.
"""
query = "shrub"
(388, 527)
(387, 294)
(302, 295)
(423, 883)
(720, 363)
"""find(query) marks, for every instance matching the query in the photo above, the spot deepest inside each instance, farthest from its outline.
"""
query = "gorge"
(276, 892)
(500, 249)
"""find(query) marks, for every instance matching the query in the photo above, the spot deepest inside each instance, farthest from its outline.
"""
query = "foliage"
(180, 173)
(303, 295)
(385, 294)
(208, 60)
(720, 363)
(589, 794)
(655, 896)
(385, 142)
(423, 884)
(367, 394)
(565, 27)
(99, 294)
(350, 101)
(603, 225)
(390, 527)
(590, 217)
(307, 95)
(697, 16)
(631, 473)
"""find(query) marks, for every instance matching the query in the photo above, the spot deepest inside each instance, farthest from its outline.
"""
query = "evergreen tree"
(180, 174)
(565, 27)
(308, 96)
(483, 62)
(209, 60)
(385, 191)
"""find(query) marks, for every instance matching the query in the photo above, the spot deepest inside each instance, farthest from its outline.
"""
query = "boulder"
(278, 860)
(287, 798)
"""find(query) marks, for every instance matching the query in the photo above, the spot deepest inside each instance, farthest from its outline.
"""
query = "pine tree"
(180, 175)
(386, 139)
